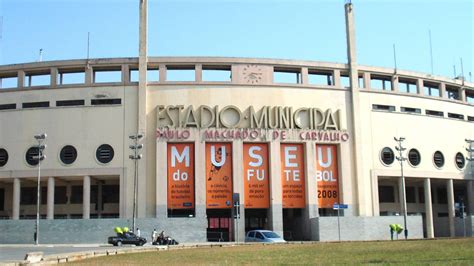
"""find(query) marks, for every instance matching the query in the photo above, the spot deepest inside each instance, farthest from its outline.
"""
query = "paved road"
(18, 252)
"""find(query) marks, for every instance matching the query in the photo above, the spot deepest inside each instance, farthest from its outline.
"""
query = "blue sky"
(298, 29)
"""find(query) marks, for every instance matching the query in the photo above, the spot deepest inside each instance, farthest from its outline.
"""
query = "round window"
(387, 156)
(460, 161)
(414, 157)
(105, 153)
(31, 156)
(68, 154)
(438, 159)
(3, 157)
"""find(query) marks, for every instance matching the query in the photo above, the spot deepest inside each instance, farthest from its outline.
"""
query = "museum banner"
(257, 192)
(293, 175)
(219, 175)
(180, 175)
(327, 175)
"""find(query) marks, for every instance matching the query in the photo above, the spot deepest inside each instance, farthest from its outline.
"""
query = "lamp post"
(40, 138)
(400, 158)
(135, 147)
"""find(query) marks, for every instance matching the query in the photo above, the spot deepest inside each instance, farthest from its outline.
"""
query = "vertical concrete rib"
(50, 199)
(86, 197)
(428, 209)
(141, 114)
(361, 194)
(449, 185)
(16, 199)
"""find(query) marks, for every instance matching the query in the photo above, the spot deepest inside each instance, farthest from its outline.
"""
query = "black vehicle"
(127, 238)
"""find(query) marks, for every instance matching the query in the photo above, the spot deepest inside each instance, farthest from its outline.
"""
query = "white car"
(264, 236)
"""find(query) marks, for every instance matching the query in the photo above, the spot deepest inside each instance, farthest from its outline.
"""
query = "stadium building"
(233, 144)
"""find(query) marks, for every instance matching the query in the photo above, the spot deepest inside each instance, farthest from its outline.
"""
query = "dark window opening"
(410, 194)
(70, 103)
(76, 194)
(106, 101)
(386, 194)
(434, 113)
(442, 197)
(60, 195)
(421, 195)
(470, 118)
(31, 156)
(381, 107)
(28, 195)
(105, 153)
(410, 110)
(8, 106)
(452, 93)
(387, 156)
(3, 157)
(181, 213)
(456, 116)
(414, 157)
(2, 199)
(35, 104)
(438, 159)
(68, 154)
(110, 193)
(460, 160)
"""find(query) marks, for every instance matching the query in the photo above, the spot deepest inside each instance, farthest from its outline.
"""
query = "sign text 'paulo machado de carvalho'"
(174, 122)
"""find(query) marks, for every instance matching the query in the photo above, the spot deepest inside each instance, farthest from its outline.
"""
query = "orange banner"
(219, 175)
(257, 192)
(180, 175)
(327, 176)
(292, 175)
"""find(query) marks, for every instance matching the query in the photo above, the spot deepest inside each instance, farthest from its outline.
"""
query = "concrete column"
(125, 74)
(470, 197)
(304, 76)
(395, 83)
(336, 76)
(53, 77)
(200, 177)
(442, 90)
(311, 210)
(50, 201)
(162, 70)
(428, 209)
(20, 79)
(462, 94)
(89, 75)
(450, 189)
(366, 77)
(420, 87)
(198, 73)
(239, 187)
(276, 211)
(16, 199)
(161, 205)
(86, 197)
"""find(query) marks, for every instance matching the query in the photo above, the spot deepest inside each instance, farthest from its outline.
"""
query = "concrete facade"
(78, 106)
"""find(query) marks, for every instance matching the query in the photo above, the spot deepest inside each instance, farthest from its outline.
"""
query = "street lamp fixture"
(135, 147)
(40, 138)
(400, 158)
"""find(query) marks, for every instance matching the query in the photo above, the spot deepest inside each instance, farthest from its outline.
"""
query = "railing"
(238, 71)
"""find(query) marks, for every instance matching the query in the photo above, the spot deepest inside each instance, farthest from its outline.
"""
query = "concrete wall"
(363, 228)
(184, 230)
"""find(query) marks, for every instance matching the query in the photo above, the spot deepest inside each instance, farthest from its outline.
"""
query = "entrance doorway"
(219, 225)
(292, 221)
(256, 219)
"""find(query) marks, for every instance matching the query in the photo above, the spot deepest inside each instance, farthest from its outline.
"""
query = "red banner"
(293, 175)
(180, 175)
(257, 191)
(327, 175)
(219, 175)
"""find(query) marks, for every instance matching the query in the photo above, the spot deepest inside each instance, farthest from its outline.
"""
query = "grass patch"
(445, 251)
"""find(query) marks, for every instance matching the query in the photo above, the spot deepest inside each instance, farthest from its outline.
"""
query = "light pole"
(400, 158)
(135, 147)
(39, 138)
